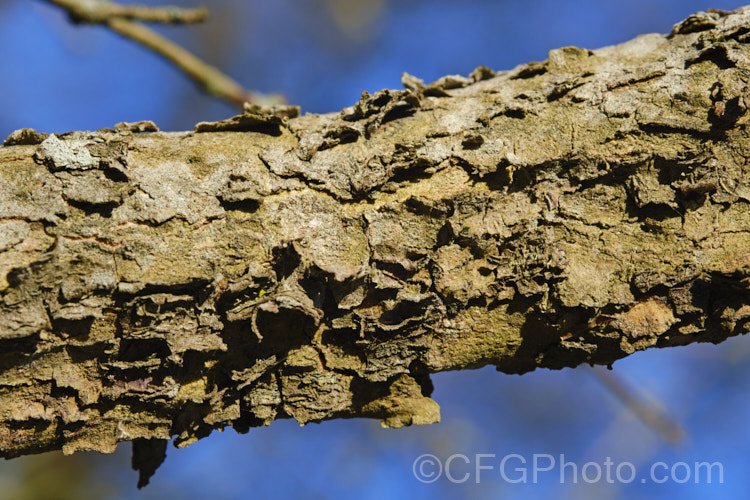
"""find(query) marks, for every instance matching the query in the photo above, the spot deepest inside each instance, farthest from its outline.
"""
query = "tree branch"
(122, 20)
(323, 266)
(100, 12)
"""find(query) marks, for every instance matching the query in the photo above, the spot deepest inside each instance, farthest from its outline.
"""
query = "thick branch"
(274, 266)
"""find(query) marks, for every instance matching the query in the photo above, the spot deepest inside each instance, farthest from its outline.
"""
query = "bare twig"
(99, 12)
(653, 417)
(210, 78)
(122, 19)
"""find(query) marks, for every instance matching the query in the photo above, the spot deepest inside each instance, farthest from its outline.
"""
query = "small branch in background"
(99, 12)
(123, 19)
(213, 80)
(653, 417)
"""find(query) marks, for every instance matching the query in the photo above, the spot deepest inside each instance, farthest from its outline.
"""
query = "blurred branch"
(124, 19)
(100, 12)
(655, 418)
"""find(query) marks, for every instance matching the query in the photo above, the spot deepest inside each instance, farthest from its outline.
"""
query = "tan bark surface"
(322, 266)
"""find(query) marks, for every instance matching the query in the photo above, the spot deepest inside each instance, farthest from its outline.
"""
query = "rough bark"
(323, 266)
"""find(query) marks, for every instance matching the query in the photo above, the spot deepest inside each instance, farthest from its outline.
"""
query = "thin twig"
(99, 11)
(210, 78)
(121, 19)
(653, 417)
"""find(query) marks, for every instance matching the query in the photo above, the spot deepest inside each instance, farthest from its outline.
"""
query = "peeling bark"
(323, 266)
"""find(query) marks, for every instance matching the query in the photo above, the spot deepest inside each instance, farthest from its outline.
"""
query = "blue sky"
(58, 77)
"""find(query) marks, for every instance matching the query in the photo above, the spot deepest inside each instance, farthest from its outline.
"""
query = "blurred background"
(321, 54)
